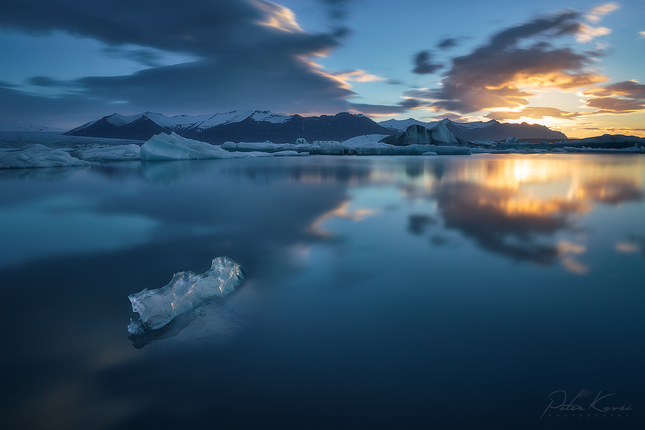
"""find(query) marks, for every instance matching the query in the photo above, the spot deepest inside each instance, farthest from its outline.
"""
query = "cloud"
(642, 33)
(423, 65)
(337, 8)
(382, 110)
(447, 43)
(4, 84)
(358, 76)
(502, 73)
(45, 81)
(588, 33)
(621, 97)
(533, 112)
(598, 12)
(147, 57)
(245, 53)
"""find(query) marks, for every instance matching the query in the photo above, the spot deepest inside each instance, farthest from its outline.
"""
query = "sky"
(576, 66)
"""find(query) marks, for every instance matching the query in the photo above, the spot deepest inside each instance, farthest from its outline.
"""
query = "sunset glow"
(571, 67)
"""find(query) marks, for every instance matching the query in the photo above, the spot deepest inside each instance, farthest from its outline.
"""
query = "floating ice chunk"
(370, 140)
(112, 153)
(185, 292)
(440, 134)
(174, 147)
(37, 155)
(289, 153)
(630, 150)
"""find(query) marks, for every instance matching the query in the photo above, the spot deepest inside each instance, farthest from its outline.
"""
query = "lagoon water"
(382, 292)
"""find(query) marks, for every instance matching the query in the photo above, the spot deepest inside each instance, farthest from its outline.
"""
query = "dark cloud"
(629, 89)
(621, 97)
(447, 43)
(423, 65)
(248, 53)
(4, 84)
(494, 75)
(400, 107)
(337, 8)
(615, 105)
(46, 81)
(66, 111)
(146, 57)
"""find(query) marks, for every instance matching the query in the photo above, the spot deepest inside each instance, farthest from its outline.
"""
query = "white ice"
(164, 146)
(112, 153)
(185, 292)
(37, 155)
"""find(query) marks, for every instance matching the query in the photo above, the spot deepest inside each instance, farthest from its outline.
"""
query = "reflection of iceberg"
(185, 292)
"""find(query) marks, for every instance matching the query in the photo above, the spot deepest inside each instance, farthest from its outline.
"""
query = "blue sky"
(574, 66)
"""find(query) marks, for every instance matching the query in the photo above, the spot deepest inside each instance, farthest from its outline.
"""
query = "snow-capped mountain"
(259, 126)
(482, 130)
(236, 126)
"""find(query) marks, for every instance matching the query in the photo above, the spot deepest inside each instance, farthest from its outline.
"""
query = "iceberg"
(112, 153)
(165, 146)
(185, 292)
(37, 156)
(290, 154)
(263, 147)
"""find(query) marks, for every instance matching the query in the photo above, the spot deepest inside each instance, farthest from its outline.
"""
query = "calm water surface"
(382, 292)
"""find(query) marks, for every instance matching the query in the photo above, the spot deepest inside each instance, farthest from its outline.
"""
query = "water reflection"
(520, 207)
(42, 174)
(317, 310)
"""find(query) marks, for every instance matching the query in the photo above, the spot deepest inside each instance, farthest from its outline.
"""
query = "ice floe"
(164, 146)
(112, 153)
(185, 293)
(37, 156)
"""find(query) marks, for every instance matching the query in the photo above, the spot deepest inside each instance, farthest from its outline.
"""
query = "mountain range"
(260, 126)
(483, 130)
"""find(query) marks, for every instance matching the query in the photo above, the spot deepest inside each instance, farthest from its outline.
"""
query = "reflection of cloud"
(341, 211)
(625, 247)
(567, 252)
(574, 266)
(504, 222)
(612, 190)
(633, 244)
(418, 223)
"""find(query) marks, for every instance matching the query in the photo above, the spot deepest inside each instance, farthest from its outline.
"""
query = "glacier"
(185, 292)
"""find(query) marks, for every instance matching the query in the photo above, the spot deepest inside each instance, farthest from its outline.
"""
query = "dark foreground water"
(483, 292)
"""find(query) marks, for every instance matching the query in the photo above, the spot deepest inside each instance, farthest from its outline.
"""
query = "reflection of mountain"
(501, 221)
